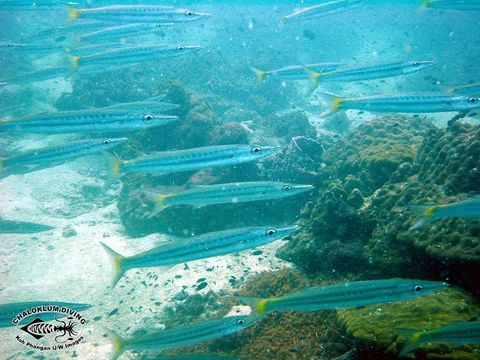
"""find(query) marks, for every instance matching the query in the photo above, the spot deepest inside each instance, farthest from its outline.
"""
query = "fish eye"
(271, 232)
(181, 47)
(418, 288)
(287, 188)
(148, 117)
(106, 141)
(189, 13)
(256, 149)
(472, 100)
(240, 322)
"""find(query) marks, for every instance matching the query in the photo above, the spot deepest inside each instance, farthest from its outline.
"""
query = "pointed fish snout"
(119, 140)
(202, 14)
(304, 187)
(290, 230)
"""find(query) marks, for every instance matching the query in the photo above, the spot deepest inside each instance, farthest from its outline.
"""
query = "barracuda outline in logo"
(47, 324)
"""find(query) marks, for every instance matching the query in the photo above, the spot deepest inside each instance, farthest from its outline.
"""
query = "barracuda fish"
(55, 155)
(360, 73)
(138, 14)
(452, 4)
(425, 102)
(30, 49)
(132, 55)
(193, 159)
(320, 10)
(295, 72)
(8, 312)
(85, 121)
(150, 105)
(197, 247)
(344, 296)
(181, 336)
(239, 192)
(123, 31)
(93, 49)
(469, 209)
(36, 76)
(470, 89)
(22, 227)
(60, 33)
(456, 333)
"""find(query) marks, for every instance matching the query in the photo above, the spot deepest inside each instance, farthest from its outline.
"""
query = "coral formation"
(335, 228)
(375, 325)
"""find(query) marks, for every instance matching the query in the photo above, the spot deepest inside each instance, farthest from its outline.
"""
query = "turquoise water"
(229, 178)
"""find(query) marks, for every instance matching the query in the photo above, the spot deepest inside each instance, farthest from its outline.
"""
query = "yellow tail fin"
(334, 101)
(413, 340)
(116, 260)
(158, 200)
(259, 306)
(75, 60)
(314, 76)
(73, 13)
(118, 344)
(261, 75)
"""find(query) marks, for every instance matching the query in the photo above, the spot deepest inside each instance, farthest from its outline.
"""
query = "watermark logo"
(53, 327)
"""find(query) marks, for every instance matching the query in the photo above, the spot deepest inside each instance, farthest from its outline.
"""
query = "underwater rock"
(355, 168)
(443, 172)
(298, 162)
(230, 133)
(374, 326)
(288, 125)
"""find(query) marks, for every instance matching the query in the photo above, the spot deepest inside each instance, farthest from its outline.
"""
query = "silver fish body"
(457, 333)
(198, 247)
(405, 103)
(21, 227)
(123, 31)
(348, 295)
(196, 159)
(29, 49)
(181, 336)
(138, 14)
(469, 209)
(369, 72)
(84, 121)
(133, 55)
(228, 193)
(324, 9)
(88, 50)
(58, 154)
(37, 76)
(295, 72)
